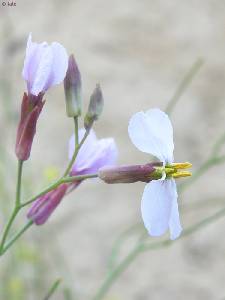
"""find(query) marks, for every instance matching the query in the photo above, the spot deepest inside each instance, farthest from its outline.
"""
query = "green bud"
(72, 87)
(95, 107)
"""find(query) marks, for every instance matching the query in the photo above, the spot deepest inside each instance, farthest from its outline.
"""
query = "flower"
(44, 206)
(94, 153)
(152, 132)
(44, 66)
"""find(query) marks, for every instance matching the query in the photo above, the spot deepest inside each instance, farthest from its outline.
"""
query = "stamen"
(185, 165)
(181, 174)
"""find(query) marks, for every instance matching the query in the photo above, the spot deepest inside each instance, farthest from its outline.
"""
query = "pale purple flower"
(94, 153)
(44, 66)
(152, 132)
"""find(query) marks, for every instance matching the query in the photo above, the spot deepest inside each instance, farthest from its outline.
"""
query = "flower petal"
(44, 65)
(152, 132)
(59, 65)
(86, 148)
(43, 71)
(156, 206)
(93, 154)
(174, 222)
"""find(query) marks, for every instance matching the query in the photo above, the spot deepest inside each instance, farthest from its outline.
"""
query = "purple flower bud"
(128, 174)
(44, 66)
(72, 87)
(95, 107)
(44, 206)
(31, 108)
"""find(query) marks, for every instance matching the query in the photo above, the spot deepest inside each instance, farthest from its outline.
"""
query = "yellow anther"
(181, 174)
(185, 165)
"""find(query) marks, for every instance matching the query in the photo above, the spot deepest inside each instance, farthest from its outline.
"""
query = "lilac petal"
(93, 154)
(105, 154)
(44, 66)
(174, 222)
(43, 71)
(86, 148)
(59, 65)
(152, 132)
(156, 206)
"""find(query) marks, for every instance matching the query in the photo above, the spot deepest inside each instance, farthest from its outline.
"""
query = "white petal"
(174, 222)
(44, 65)
(59, 66)
(43, 71)
(156, 206)
(152, 132)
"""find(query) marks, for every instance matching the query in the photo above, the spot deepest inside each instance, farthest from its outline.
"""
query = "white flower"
(152, 132)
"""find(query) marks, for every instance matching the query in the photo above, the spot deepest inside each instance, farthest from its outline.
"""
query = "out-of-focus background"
(139, 51)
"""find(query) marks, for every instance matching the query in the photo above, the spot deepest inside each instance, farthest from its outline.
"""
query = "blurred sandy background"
(139, 51)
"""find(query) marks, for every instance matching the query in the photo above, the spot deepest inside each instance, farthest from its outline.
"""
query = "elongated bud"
(31, 108)
(95, 107)
(44, 206)
(72, 87)
(129, 174)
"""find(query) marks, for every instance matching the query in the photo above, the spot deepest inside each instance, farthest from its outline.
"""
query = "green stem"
(8, 226)
(212, 161)
(77, 146)
(183, 85)
(141, 247)
(19, 178)
(78, 178)
(52, 289)
(57, 183)
(15, 237)
(17, 205)
(76, 128)
(116, 272)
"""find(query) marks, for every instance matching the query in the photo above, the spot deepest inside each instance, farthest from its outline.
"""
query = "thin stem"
(217, 146)
(76, 128)
(76, 146)
(46, 190)
(141, 247)
(18, 185)
(118, 243)
(75, 154)
(116, 272)
(183, 85)
(15, 237)
(78, 178)
(57, 183)
(52, 289)
(63, 179)
(17, 205)
(210, 162)
(8, 226)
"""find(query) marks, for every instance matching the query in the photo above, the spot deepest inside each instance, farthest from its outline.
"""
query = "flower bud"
(95, 107)
(31, 108)
(44, 206)
(128, 174)
(72, 87)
